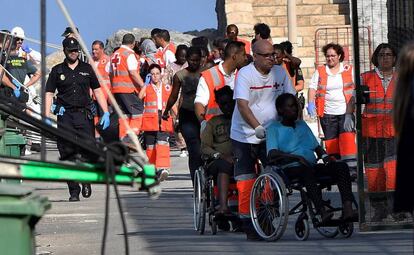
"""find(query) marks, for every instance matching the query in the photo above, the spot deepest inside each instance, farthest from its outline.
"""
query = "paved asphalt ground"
(164, 226)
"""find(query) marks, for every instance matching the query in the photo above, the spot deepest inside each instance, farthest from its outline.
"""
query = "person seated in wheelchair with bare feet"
(216, 145)
(292, 146)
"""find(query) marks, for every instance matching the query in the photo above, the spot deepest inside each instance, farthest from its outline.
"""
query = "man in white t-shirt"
(167, 48)
(126, 83)
(217, 77)
(257, 87)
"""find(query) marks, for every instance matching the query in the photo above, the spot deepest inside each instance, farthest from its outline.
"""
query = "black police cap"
(70, 44)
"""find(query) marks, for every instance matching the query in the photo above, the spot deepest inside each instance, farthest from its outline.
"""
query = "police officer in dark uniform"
(69, 33)
(73, 79)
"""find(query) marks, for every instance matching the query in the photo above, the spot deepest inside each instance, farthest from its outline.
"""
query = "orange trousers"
(158, 148)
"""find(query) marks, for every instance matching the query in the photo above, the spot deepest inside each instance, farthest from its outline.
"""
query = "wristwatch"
(216, 155)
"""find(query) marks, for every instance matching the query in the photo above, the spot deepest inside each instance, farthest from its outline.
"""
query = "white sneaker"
(183, 154)
(163, 175)
(27, 152)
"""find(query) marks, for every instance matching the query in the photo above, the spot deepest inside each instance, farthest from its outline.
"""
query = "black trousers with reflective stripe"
(80, 122)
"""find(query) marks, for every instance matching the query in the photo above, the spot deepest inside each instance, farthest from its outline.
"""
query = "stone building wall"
(311, 14)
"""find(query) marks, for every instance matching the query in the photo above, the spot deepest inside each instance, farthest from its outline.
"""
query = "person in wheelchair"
(292, 146)
(216, 145)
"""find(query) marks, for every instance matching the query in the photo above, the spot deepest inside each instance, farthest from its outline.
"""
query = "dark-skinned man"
(73, 80)
(216, 77)
(257, 87)
(232, 33)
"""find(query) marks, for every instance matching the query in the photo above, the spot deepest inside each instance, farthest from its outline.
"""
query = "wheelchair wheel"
(346, 229)
(200, 203)
(269, 206)
(302, 228)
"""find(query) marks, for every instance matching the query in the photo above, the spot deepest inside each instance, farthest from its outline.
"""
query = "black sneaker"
(74, 198)
(86, 190)
(253, 236)
(223, 225)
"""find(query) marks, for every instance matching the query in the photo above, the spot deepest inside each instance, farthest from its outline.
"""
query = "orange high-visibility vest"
(247, 45)
(150, 117)
(103, 75)
(377, 116)
(121, 80)
(292, 79)
(348, 87)
(170, 47)
(215, 80)
(159, 56)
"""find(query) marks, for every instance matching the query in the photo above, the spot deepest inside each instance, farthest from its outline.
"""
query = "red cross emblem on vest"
(115, 61)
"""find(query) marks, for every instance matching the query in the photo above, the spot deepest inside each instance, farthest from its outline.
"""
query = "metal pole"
(357, 72)
(43, 68)
(292, 26)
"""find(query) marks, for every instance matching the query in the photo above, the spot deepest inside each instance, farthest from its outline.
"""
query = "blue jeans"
(190, 129)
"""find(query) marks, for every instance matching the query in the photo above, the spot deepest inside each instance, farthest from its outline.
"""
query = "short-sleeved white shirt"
(132, 61)
(261, 91)
(169, 57)
(335, 102)
(203, 93)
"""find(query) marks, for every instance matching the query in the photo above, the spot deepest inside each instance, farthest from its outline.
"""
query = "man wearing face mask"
(73, 80)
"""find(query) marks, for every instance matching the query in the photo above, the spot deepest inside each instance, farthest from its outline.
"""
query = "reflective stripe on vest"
(377, 115)
(150, 117)
(381, 102)
(121, 79)
(348, 87)
(103, 75)
(215, 80)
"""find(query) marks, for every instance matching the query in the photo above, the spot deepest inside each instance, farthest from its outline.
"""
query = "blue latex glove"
(61, 111)
(48, 122)
(16, 91)
(26, 48)
(311, 109)
(16, 83)
(53, 108)
(148, 79)
(105, 122)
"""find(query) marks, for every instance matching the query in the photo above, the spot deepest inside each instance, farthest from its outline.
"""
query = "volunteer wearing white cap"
(23, 49)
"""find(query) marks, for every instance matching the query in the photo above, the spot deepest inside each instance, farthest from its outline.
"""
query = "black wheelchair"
(269, 206)
(206, 200)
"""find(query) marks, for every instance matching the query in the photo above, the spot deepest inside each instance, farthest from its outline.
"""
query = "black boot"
(380, 210)
(251, 233)
(390, 206)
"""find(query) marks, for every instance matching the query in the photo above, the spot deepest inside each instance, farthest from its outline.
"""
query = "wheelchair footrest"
(332, 223)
